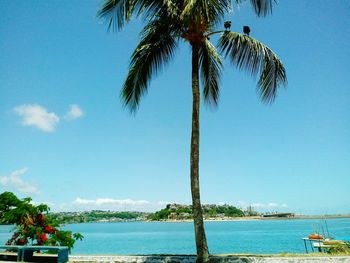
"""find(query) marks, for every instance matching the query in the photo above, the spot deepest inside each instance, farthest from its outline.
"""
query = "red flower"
(50, 229)
(43, 237)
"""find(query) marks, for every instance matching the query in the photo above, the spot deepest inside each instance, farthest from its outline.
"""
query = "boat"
(324, 242)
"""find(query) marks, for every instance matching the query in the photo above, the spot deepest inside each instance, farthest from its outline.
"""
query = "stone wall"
(213, 259)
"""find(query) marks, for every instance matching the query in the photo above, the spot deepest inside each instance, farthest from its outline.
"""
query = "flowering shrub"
(33, 225)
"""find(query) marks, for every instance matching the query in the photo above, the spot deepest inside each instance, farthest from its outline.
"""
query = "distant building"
(288, 215)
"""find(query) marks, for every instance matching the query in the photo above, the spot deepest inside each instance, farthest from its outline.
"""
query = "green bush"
(339, 249)
(208, 211)
(32, 223)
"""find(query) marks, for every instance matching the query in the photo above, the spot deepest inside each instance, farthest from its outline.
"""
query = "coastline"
(255, 218)
(225, 219)
(217, 219)
(245, 218)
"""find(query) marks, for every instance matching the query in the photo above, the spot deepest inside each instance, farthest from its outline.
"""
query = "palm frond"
(205, 11)
(119, 12)
(153, 9)
(154, 51)
(210, 65)
(261, 7)
(249, 54)
(173, 7)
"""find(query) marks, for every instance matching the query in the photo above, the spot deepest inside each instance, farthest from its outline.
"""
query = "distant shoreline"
(255, 218)
(181, 213)
(245, 218)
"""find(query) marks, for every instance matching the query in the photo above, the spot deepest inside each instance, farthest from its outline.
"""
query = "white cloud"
(37, 116)
(81, 204)
(109, 201)
(74, 112)
(164, 203)
(15, 181)
(271, 205)
(262, 206)
(111, 204)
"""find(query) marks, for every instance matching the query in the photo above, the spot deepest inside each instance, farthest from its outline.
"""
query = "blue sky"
(65, 138)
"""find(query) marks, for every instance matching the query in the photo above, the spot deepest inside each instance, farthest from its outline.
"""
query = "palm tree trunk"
(201, 241)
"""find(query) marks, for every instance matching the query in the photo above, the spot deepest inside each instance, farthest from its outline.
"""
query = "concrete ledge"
(213, 259)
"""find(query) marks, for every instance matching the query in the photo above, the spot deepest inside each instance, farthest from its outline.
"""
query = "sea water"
(259, 236)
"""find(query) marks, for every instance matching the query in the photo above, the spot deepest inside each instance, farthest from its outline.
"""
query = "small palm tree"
(167, 23)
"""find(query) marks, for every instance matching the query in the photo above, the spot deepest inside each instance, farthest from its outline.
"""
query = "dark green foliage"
(7, 201)
(226, 210)
(249, 54)
(14, 210)
(33, 225)
(210, 65)
(343, 249)
(185, 212)
(96, 216)
(169, 21)
(93, 216)
(152, 53)
(160, 215)
(261, 7)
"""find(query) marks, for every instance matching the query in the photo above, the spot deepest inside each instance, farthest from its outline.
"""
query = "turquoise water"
(263, 236)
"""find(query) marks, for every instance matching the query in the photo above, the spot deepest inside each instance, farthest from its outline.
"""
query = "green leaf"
(251, 55)
(261, 7)
(208, 12)
(210, 66)
(153, 52)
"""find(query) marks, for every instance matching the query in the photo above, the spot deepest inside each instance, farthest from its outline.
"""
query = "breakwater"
(213, 259)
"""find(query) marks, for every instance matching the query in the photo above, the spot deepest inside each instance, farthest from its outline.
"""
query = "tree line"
(180, 212)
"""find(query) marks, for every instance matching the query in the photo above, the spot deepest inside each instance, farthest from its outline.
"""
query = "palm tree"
(167, 23)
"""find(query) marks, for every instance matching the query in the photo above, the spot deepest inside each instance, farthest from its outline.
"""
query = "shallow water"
(261, 236)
